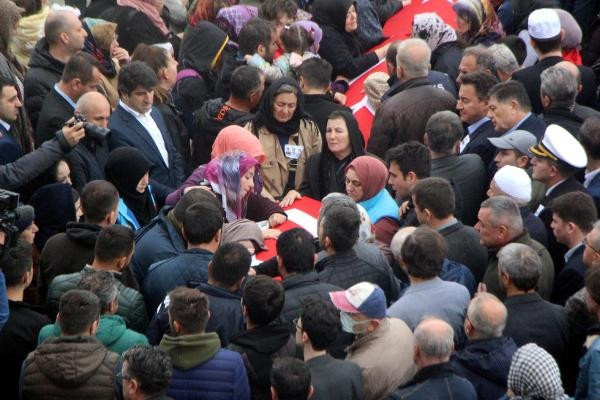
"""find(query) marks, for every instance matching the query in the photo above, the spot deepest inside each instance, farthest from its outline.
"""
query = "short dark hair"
(290, 378)
(244, 80)
(411, 156)
(98, 199)
(113, 242)
(592, 283)
(136, 74)
(321, 322)
(576, 207)
(272, 9)
(316, 72)
(5, 81)
(264, 299)
(15, 261)
(392, 52)
(517, 46)
(230, 263)
(481, 81)
(103, 284)
(341, 225)
(483, 58)
(201, 222)
(155, 57)
(77, 310)
(189, 307)
(547, 45)
(296, 250)
(423, 252)
(80, 66)
(151, 366)
(589, 136)
(511, 90)
(444, 129)
(190, 198)
(436, 195)
(257, 31)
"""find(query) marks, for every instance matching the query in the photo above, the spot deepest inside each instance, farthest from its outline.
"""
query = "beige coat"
(276, 167)
(385, 357)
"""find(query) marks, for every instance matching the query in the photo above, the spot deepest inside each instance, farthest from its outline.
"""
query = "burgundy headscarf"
(372, 173)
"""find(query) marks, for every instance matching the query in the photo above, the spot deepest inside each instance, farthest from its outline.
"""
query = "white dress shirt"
(150, 125)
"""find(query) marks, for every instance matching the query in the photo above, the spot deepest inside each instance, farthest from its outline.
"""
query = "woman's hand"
(406, 2)
(121, 55)
(271, 233)
(339, 98)
(289, 198)
(276, 219)
(382, 50)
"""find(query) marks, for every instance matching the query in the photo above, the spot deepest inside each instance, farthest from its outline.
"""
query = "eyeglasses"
(587, 243)
(296, 324)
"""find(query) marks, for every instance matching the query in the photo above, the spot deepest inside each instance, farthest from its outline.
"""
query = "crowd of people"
(155, 146)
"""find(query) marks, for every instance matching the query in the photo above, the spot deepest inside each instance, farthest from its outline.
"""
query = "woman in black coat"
(340, 45)
(325, 171)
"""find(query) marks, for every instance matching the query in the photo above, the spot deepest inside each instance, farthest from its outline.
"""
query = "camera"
(94, 132)
(8, 216)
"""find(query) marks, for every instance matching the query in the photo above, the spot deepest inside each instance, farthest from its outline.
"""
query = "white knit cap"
(514, 182)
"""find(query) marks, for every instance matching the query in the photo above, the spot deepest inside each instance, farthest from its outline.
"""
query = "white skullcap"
(514, 182)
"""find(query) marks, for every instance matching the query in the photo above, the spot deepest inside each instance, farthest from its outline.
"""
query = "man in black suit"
(589, 137)
(313, 78)
(10, 106)
(510, 109)
(81, 75)
(136, 123)
(558, 91)
(472, 106)
(558, 156)
(546, 37)
(570, 225)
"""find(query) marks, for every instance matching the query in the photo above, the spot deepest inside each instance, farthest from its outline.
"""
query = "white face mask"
(349, 324)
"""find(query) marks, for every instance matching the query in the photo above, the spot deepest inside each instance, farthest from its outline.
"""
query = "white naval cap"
(559, 144)
(543, 23)
(515, 182)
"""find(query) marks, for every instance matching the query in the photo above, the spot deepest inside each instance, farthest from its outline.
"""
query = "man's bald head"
(398, 241)
(572, 68)
(95, 107)
(413, 59)
(63, 28)
(434, 342)
(487, 317)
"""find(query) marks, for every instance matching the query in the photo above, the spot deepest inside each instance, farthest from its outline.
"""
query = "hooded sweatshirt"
(112, 332)
(213, 116)
(69, 367)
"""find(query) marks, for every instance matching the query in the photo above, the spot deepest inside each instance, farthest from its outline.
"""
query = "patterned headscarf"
(534, 374)
(432, 29)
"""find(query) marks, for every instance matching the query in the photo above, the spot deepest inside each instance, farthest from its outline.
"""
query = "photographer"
(88, 158)
(19, 171)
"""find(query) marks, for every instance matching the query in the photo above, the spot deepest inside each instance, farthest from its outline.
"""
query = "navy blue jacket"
(157, 241)
(570, 278)
(164, 276)
(594, 191)
(9, 149)
(436, 382)
(127, 131)
(225, 315)
(534, 226)
(485, 363)
(479, 143)
(535, 125)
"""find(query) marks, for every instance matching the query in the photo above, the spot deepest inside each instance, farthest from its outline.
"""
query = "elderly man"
(88, 158)
(403, 117)
(510, 109)
(583, 112)
(558, 90)
(476, 58)
(558, 157)
(422, 255)
(382, 345)
(515, 183)
(63, 37)
(436, 377)
(484, 326)
(531, 319)
(505, 61)
(499, 224)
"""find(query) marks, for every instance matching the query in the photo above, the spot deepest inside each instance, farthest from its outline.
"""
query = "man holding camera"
(18, 171)
(88, 158)
(81, 75)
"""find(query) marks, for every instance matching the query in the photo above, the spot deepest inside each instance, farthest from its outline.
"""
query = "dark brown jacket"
(69, 367)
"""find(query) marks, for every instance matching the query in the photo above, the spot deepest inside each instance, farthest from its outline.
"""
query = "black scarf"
(107, 68)
(265, 118)
(331, 170)
(125, 167)
(333, 13)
